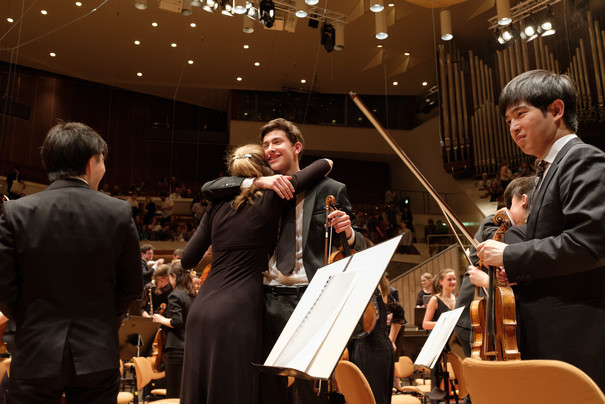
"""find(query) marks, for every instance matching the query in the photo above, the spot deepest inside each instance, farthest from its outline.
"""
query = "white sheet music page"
(324, 319)
(430, 352)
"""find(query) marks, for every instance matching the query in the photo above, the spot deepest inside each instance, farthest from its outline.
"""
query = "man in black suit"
(560, 267)
(69, 268)
(283, 145)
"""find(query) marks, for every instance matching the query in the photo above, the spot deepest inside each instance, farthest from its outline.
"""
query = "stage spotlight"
(267, 13)
(327, 36)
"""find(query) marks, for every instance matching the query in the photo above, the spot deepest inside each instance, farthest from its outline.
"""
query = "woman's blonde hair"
(247, 161)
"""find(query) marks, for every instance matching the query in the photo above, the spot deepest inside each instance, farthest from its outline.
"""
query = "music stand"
(136, 335)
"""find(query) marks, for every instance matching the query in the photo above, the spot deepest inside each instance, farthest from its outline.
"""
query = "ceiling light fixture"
(446, 25)
(137, 42)
(210, 6)
(248, 25)
(193, 25)
(546, 27)
(376, 6)
(140, 4)
(196, 3)
(43, 12)
(241, 6)
(267, 13)
(256, 64)
(173, 45)
(424, 83)
(239, 79)
(186, 10)
(10, 19)
(503, 11)
(154, 24)
(226, 8)
(311, 2)
(190, 61)
(395, 83)
(52, 54)
(327, 36)
(79, 3)
(246, 46)
(303, 81)
(139, 74)
(381, 26)
(301, 9)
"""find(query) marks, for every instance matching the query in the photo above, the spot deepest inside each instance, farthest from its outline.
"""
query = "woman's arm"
(428, 323)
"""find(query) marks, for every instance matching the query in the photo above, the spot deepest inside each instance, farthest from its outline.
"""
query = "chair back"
(404, 367)
(353, 384)
(530, 381)
(142, 368)
(456, 363)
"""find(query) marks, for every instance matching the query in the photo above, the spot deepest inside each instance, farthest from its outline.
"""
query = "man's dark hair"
(293, 133)
(518, 187)
(145, 248)
(540, 88)
(67, 148)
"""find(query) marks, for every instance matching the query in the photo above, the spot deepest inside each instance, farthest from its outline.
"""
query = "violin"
(493, 322)
(157, 355)
(369, 317)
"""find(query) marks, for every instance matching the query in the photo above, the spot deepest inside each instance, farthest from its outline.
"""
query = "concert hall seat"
(145, 373)
(458, 374)
(529, 382)
(354, 385)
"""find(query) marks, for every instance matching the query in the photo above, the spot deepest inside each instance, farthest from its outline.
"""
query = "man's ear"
(524, 199)
(89, 166)
(297, 148)
(557, 108)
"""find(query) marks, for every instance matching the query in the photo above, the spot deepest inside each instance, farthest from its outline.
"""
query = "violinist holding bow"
(560, 265)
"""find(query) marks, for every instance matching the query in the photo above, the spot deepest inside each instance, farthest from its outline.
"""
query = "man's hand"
(279, 183)
(501, 276)
(341, 222)
(478, 277)
(491, 253)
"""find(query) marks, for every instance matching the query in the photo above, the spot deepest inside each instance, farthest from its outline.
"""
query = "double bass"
(504, 340)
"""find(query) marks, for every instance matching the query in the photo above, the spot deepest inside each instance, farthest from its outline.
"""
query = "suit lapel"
(538, 199)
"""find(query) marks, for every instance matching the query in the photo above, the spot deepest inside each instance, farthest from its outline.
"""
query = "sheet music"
(323, 321)
(431, 351)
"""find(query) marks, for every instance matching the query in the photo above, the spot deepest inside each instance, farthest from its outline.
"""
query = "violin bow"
(450, 216)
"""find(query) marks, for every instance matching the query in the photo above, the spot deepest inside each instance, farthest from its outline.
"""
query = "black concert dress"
(223, 332)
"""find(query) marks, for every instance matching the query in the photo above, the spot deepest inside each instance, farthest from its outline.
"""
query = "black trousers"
(274, 389)
(93, 388)
(173, 365)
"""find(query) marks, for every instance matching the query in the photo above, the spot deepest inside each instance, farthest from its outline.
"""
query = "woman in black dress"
(174, 320)
(444, 300)
(223, 332)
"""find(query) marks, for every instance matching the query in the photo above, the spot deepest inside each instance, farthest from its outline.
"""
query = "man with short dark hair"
(560, 267)
(68, 271)
(146, 256)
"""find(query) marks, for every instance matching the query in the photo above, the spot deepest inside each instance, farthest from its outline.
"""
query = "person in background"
(174, 321)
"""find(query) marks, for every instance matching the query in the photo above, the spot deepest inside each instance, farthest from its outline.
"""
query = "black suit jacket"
(561, 265)
(69, 266)
(314, 215)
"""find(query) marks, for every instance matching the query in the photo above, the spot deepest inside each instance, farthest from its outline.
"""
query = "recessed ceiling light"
(44, 12)
(239, 79)
(395, 83)
(246, 46)
(154, 24)
(303, 81)
(424, 83)
(137, 42)
(139, 74)
(173, 45)
(406, 53)
(10, 19)
(257, 64)
(193, 25)
(379, 45)
(78, 3)
(52, 54)
(391, 4)
(190, 62)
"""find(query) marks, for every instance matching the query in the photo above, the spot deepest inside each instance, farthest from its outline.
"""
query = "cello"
(503, 297)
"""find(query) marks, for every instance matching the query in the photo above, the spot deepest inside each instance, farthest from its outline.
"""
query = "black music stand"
(136, 335)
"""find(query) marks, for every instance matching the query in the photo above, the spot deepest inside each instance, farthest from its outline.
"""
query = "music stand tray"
(136, 335)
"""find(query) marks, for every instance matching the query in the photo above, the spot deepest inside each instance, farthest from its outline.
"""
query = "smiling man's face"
(280, 153)
(531, 129)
